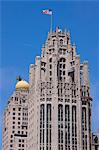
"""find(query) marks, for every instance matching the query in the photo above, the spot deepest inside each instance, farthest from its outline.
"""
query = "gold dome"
(22, 85)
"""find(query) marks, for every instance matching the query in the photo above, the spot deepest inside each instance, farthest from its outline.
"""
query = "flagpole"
(49, 12)
(51, 24)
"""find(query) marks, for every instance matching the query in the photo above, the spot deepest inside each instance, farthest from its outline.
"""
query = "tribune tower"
(59, 98)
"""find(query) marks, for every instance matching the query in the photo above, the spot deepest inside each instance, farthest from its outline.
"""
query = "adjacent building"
(95, 141)
(15, 124)
(59, 97)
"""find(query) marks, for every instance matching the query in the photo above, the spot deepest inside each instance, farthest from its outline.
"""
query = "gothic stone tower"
(59, 99)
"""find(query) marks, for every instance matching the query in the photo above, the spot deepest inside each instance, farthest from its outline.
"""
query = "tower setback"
(59, 97)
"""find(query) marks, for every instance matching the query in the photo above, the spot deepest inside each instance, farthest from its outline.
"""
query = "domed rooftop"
(22, 85)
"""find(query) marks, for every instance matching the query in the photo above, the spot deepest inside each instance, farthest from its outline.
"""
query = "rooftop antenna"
(51, 23)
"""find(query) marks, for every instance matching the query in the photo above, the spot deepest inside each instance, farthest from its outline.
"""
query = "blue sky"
(24, 30)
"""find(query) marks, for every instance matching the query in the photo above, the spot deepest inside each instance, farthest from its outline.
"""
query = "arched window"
(62, 68)
(61, 42)
(62, 59)
(54, 42)
(50, 60)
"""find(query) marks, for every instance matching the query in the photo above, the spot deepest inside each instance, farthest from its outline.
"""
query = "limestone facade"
(15, 124)
(59, 97)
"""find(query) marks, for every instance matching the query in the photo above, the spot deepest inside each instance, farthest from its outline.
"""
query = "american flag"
(47, 11)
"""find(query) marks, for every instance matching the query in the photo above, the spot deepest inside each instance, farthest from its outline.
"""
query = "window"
(61, 42)
(23, 101)
(48, 125)
(84, 126)
(63, 66)
(22, 132)
(61, 69)
(18, 132)
(60, 127)
(13, 127)
(18, 122)
(67, 40)
(54, 42)
(13, 131)
(74, 127)
(67, 127)
(16, 98)
(19, 109)
(62, 60)
(63, 72)
(42, 126)
(60, 65)
(50, 60)
(13, 109)
(50, 66)
(50, 73)
(50, 79)
(11, 141)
